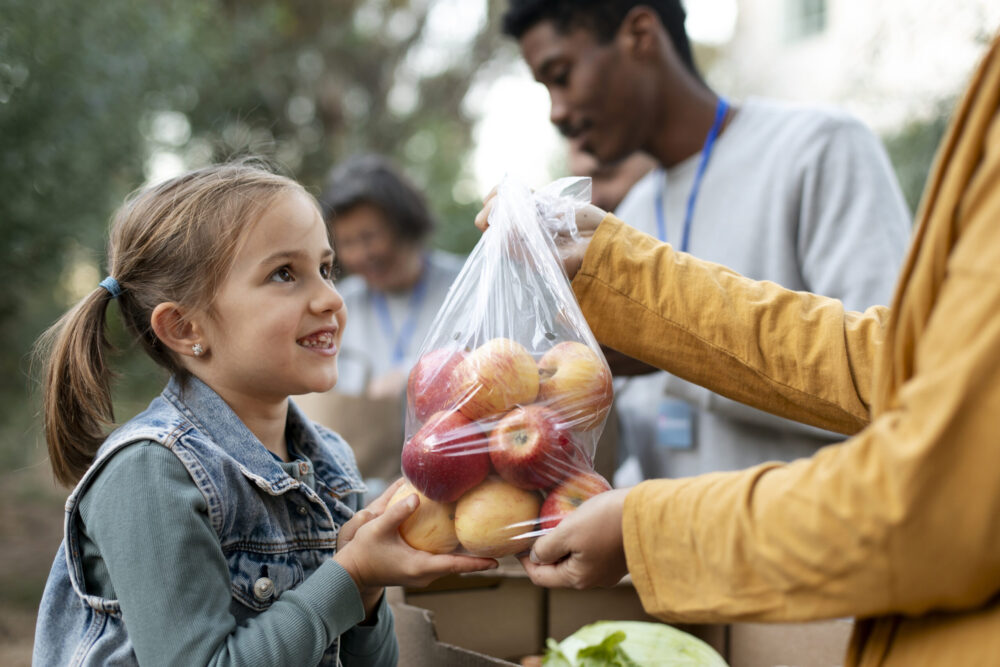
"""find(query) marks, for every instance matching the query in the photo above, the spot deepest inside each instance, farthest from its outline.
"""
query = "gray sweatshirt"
(801, 196)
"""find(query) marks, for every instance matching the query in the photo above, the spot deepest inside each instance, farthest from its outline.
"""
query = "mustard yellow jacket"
(898, 526)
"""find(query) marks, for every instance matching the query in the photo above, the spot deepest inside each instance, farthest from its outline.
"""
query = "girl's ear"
(172, 326)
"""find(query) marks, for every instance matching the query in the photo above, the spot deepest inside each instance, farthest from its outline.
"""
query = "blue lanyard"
(401, 340)
(706, 152)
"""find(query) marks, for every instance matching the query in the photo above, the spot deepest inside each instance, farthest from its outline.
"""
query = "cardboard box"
(419, 645)
(501, 618)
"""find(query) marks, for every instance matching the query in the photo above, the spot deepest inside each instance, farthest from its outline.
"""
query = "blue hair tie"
(110, 284)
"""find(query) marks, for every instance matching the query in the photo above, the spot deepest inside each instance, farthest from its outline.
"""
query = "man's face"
(591, 87)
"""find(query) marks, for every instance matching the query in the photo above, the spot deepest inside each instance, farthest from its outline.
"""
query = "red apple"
(530, 448)
(429, 386)
(569, 495)
(493, 378)
(446, 457)
(496, 519)
(431, 527)
(576, 383)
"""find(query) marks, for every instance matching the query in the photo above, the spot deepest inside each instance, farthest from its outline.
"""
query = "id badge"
(674, 424)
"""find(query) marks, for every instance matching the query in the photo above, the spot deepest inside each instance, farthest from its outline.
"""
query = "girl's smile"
(275, 325)
(323, 341)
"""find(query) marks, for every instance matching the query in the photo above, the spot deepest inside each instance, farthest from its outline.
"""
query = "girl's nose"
(328, 299)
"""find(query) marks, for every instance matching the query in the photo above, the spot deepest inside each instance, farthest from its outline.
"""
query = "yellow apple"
(575, 384)
(493, 378)
(431, 527)
(491, 520)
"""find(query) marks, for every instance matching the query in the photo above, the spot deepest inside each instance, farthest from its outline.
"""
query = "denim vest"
(273, 529)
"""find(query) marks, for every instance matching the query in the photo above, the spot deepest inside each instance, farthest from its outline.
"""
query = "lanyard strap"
(401, 341)
(706, 152)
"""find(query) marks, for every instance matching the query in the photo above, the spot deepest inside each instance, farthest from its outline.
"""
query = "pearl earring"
(197, 349)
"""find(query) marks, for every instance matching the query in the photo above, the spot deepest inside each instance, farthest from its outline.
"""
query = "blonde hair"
(172, 242)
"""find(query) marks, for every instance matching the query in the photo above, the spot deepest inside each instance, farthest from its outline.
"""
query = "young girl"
(216, 527)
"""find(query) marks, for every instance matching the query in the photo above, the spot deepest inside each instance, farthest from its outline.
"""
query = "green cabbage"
(630, 644)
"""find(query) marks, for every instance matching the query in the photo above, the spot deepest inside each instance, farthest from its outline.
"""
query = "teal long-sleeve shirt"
(148, 542)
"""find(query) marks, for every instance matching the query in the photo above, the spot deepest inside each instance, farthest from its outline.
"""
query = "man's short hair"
(601, 17)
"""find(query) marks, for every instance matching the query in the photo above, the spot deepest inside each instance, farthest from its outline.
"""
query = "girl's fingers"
(378, 505)
(433, 567)
(399, 512)
(460, 564)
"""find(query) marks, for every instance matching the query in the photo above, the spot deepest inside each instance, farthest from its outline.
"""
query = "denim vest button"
(263, 589)
(302, 509)
(304, 468)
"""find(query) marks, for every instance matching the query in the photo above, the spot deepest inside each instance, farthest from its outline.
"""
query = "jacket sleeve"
(707, 324)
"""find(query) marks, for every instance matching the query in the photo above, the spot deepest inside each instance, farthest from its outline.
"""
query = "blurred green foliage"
(92, 94)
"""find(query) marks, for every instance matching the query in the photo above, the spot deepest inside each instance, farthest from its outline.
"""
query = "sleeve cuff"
(633, 544)
(367, 640)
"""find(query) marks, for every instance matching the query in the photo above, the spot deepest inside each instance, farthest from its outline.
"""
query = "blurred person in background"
(394, 286)
(802, 196)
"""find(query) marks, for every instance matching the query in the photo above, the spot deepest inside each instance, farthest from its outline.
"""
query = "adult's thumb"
(549, 548)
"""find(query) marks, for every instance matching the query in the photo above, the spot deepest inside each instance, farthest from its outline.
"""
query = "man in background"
(776, 192)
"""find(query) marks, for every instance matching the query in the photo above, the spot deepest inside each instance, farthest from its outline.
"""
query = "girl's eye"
(326, 270)
(282, 275)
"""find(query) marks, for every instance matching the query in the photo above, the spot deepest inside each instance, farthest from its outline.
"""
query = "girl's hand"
(571, 249)
(363, 516)
(377, 556)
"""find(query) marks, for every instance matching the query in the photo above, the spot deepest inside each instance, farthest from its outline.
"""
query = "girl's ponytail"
(76, 389)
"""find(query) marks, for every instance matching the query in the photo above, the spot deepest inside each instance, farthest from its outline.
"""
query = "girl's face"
(277, 320)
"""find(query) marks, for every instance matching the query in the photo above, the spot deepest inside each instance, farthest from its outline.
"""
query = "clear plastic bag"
(511, 390)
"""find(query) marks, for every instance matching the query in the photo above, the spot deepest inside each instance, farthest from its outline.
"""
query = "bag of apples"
(511, 390)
